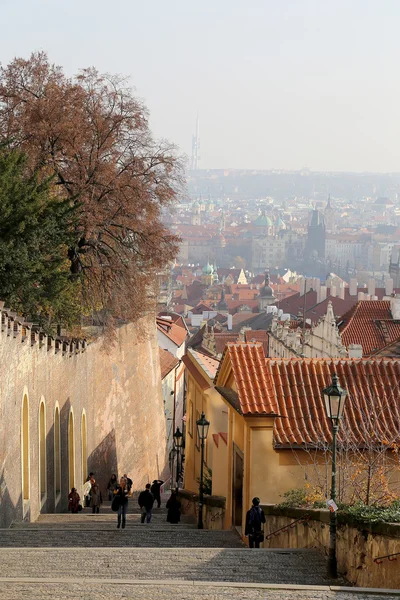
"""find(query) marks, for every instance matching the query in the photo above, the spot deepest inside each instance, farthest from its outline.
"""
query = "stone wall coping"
(323, 515)
(11, 322)
(213, 501)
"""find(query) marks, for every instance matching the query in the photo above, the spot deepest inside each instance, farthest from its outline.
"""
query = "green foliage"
(364, 513)
(294, 498)
(36, 229)
(359, 512)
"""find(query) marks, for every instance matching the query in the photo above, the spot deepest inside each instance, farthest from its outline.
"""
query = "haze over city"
(285, 85)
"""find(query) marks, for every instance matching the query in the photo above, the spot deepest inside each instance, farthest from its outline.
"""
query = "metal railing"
(287, 527)
(390, 557)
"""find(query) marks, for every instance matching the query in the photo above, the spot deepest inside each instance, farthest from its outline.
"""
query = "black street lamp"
(202, 432)
(334, 398)
(178, 438)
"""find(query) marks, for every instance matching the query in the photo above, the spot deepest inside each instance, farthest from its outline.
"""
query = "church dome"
(263, 221)
(279, 224)
(267, 291)
(208, 269)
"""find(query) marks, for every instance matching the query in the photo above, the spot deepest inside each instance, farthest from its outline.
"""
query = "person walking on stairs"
(174, 509)
(146, 501)
(156, 491)
(95, 498)
(122, 493)
(255, 519)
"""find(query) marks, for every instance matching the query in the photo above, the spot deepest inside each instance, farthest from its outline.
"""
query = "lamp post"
(178, 437)
(334, 398)
(202, 431)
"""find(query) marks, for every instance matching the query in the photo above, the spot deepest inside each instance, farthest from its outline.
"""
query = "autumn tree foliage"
(91, 134)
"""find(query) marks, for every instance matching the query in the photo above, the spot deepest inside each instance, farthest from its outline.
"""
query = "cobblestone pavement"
(104, 591)
(306, 567)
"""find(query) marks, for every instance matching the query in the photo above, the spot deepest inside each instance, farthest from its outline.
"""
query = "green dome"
(263, 221)
(280, 224)
(208, 269)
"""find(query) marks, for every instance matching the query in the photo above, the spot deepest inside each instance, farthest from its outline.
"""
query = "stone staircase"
(67, 556)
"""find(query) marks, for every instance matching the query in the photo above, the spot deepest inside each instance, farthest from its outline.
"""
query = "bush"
(359, 512)
(302, 498)
(364, 513)
(294, 498)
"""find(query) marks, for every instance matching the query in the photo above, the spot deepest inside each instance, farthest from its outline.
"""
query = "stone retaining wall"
(357, 545)
(213, 508)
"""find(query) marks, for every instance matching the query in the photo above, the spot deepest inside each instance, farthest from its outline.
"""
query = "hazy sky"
(278, 83)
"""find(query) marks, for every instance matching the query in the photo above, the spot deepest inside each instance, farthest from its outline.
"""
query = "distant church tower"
(194, 163)
(266, 297)
(329, 217)
(315, 247)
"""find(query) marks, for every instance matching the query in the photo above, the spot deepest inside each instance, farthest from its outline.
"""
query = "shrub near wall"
(358, 543)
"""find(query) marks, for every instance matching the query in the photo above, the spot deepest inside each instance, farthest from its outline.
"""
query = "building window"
(42, 451)
(84, 447)
(197, 431)
(25, 448)
(57, 452)
(190, 423)
(71, 451)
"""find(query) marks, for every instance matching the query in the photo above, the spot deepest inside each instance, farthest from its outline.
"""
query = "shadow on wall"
(9, 511)
(103, 461)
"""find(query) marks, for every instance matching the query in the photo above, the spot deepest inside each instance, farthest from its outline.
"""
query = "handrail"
(287, 527)
(379, 559)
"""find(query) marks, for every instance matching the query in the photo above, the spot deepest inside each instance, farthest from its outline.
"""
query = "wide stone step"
(149, 536)
(306, 567)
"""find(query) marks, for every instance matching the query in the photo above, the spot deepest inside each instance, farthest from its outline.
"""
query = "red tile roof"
(251, 378)
(292, 388)
(370, 324)
(167, 362)
(221, 339)
(207, 363)
(258, 336)
(174, 332)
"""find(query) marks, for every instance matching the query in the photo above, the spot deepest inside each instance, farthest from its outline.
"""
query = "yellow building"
(268, 424)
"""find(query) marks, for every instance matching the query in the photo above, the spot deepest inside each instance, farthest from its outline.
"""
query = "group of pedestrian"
(118, 493)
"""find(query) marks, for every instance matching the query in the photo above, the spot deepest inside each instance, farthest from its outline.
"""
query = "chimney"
(371, 287)
(395, 307)
(374, 298)
(367, 297)
(333, 291)
(302, 286)
(229, 322)
(389, 287)
(353, 287)
(355, 351)
(360, 296)
(322, 293)
(341, 292)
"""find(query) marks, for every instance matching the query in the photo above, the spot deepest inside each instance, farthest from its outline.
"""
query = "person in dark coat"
(174, 509)
(112, 486)
(155, 490)
(146, 501)
(73, 501)
(122, 492)
(255, 519)
(95, 498)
